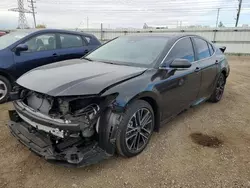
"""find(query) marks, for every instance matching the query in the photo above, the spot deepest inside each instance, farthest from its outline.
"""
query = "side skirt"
(199, 101)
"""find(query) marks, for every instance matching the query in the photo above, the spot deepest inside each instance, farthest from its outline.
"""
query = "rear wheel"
(5, 88)
(136, 129)
(219, 89)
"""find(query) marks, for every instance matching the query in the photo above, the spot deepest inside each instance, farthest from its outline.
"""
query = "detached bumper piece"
(71, 152)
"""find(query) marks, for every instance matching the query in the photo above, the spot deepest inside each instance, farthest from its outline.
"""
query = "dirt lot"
(173, 159)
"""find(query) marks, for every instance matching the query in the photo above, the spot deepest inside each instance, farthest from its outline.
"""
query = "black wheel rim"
(220, 88)
(139, 130)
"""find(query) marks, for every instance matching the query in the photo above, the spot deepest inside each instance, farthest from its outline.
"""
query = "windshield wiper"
(108, 62)
(86, 58)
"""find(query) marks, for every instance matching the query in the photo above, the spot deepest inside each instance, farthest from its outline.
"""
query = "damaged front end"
(75, 131)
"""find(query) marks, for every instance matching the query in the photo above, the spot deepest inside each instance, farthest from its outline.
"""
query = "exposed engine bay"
(80, 111)
(68, 124)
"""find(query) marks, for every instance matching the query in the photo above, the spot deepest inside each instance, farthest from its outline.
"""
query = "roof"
(172, 36)
(52, 31)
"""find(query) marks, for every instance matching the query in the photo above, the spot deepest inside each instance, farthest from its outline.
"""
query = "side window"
(183, 49)
(88, 39)
(202, 48)
(41, 43)
(211, 49)
(70, 41)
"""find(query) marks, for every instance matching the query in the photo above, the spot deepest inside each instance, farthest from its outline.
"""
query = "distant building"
(145, 26)
(245, 25)
(196, 26)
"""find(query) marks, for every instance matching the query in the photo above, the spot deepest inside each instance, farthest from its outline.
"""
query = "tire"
(219, 89)
(134, 135)
(5, 88)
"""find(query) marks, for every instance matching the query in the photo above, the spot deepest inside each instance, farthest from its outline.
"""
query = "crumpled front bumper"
(72, 153)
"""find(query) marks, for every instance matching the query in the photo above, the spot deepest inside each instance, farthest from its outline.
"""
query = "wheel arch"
(153, 100)
(224, 72)
(7, 75)
(109, 121)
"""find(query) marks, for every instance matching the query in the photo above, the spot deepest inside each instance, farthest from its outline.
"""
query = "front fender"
(136, 88)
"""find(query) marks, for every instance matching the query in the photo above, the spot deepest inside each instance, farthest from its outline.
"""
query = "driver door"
(181, 88)
(41, 51)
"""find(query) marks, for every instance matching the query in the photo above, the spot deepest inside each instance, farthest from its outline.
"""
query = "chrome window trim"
(191, 42)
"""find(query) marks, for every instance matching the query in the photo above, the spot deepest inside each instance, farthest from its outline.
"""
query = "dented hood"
(76, 77)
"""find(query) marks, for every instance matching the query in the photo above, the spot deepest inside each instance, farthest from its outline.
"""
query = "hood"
(76, 77)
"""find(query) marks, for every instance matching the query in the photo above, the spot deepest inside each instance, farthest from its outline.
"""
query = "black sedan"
(78, 112)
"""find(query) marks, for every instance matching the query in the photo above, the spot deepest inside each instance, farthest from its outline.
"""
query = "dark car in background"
(81, 111)
(21, 51)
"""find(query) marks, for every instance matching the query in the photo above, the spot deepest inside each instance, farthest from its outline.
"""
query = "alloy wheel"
(139, 130)
(3, 90)
(220, 87)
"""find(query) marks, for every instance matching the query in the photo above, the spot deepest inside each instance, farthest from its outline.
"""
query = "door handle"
(197, 69)
(216, 62)
(86, 51)
(54, 55)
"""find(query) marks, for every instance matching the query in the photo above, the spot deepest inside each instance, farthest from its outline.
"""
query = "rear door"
(208, 64)
(180, 89)
(72, 46)
(41, 51)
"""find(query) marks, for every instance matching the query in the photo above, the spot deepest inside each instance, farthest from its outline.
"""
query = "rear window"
(88, 39)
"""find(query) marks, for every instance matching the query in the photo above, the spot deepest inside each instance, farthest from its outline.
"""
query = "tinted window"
(131, 50)
(211, 49)
(70, 41)
(88, 39)
(183, 49)
(202, 48)
(41, 43)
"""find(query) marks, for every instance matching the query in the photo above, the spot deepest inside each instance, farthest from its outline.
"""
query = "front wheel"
(219, 89)
(5, 88)
(136, 129)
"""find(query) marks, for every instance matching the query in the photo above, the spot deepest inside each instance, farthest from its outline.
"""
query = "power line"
(147, 10)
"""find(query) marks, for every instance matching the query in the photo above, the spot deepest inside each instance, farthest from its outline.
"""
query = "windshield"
(10, 38)
(131, 50)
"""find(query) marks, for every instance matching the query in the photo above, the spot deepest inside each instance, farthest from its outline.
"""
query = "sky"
(126, 13)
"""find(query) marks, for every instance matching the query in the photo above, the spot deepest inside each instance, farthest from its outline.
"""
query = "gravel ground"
(172, 159)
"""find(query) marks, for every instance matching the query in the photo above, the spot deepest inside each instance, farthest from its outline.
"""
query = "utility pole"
(87, 22)
(101, 31)
(33, 10)
(22, 21)
(218, 14)
(238, 13)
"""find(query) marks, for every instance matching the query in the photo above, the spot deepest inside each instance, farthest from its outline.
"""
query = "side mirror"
(21, 47)
(223, 48)
(180, 63)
